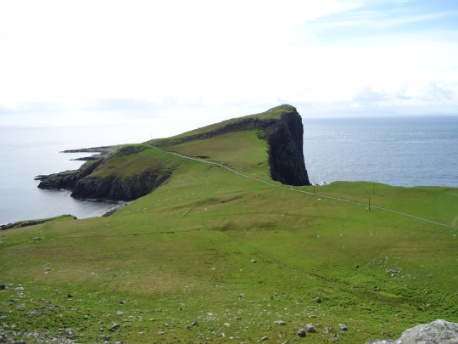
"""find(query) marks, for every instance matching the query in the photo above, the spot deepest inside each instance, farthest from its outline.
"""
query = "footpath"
(293, 189)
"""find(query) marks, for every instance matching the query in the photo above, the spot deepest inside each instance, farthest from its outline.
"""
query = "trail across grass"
(293, 189)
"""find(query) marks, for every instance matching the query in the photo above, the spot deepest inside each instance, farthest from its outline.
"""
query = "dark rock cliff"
(116, 188)
(286, 153)
(68, 179)
(84, 184)
(283, 133)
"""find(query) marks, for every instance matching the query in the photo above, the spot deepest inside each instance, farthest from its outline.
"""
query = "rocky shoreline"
(26, 223)
(67, 180)
(100, 150)
(85, 184)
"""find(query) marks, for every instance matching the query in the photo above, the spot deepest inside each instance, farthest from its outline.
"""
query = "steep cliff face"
(286, 154)
(135, 170)
(118, 188)
(67, 180)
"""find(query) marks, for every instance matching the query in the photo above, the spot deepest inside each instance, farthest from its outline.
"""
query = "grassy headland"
(214, 256)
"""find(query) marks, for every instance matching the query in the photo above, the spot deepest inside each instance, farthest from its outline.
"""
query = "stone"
(310, 328)
(114, 327)
(343, 327)
(279, 322)
(439, 331)
(194, 324)
(2, 286)
(328, 329)
(301, 333)
(33, 313)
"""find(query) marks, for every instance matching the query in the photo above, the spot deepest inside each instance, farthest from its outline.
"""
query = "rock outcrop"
(26, 223)
(284, 135)
(67, 180)
(286, 154)
(439, 331)
(117, 188)
(86, 183)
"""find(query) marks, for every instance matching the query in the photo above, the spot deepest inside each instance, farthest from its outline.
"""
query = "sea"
(402, 151)
(26, 152)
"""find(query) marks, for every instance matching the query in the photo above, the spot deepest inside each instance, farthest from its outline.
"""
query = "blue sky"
(189, 63)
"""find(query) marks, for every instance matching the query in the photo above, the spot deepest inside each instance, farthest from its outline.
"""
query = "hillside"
(220, 252)
(129, 172)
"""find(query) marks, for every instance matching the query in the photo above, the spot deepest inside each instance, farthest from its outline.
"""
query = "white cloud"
(224, 56)
(438, 90)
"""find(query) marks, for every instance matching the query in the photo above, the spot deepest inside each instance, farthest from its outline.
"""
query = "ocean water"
(406, 151)
(26, 152)
(402, 151)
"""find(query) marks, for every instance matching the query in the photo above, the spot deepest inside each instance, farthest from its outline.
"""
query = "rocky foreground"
(436, 332)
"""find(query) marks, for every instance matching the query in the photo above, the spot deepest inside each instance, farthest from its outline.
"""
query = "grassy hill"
(215, 256)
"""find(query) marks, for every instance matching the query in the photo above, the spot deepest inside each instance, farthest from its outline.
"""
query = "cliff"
(286, 154)
(132, 171)
(127, 173)
(280, 126)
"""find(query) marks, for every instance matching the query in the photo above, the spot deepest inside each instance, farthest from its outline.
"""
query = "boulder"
(439, 331)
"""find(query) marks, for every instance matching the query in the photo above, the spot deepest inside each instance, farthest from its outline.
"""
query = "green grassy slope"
(213, 256)
(273, 113)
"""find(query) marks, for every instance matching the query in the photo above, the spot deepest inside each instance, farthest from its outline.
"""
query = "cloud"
(369, 96)
(403, 94)
(438, 91)
(149, 59)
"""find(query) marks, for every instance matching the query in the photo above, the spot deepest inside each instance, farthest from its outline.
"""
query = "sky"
(181, 64)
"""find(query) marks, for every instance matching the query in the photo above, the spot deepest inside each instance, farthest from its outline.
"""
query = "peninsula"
(129, 172)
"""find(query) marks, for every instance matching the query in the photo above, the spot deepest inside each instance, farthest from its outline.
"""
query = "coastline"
(33, 222)
(399, 152)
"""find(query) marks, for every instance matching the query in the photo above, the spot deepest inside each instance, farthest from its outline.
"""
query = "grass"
(242, 151)
(134, 160)
(212, 256)
(273, 113)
